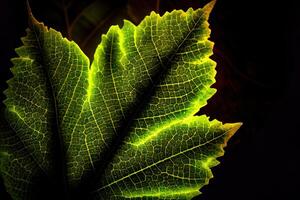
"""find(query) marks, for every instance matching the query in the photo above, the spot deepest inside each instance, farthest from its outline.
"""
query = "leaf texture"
(125, 126)
(18, 168)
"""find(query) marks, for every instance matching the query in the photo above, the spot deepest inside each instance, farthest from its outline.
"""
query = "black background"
(257, 50)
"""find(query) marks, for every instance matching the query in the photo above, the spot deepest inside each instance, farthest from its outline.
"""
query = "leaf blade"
(129, 118)
(172, 160)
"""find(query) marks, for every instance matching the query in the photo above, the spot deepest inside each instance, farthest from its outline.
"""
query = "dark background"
(257, 49)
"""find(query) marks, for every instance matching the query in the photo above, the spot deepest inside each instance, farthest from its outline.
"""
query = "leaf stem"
(71, 27)
(94, 31)
(157, 8)
(67, 21)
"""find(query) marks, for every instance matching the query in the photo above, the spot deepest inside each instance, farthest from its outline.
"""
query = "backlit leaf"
(121, 127)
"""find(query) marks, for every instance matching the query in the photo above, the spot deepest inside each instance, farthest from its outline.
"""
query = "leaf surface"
(123, 127)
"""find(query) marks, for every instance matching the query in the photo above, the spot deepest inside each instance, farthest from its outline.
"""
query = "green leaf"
(17, 166)
(124, 127)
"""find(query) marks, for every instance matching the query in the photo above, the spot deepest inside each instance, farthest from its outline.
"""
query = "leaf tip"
(209, 7)
(31, 18)
(231, 130)
(29, 11)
